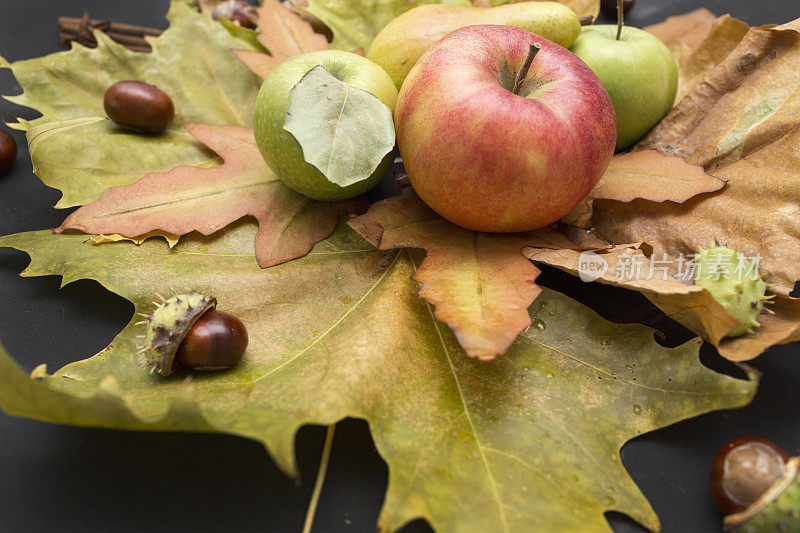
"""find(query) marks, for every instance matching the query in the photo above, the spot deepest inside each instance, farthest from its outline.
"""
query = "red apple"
(489, 159)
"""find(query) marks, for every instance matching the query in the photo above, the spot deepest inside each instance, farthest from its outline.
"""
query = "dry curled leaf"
(284, 34)
(690, 28)
(693, 63)
(479, 283)
(632, 267)
(646, 175)
(742, 124)
(171, 239)
(635, 267)
(649, 175)
(189, 199)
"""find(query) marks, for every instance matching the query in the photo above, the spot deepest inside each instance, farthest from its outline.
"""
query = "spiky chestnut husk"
(777, 510)
(734, 282)
(168, 326)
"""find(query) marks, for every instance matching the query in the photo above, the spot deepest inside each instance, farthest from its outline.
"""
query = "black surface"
(63, 478)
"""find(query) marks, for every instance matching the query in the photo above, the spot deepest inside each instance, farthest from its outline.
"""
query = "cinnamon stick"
(81, 30)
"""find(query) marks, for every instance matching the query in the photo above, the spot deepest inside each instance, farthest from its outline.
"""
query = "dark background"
(56, 477)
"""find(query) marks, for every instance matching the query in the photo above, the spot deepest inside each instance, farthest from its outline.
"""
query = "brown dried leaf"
(646, 175)
(651, 176)
(480, 283)
(692, 306)
(690, 28)
(742, 123)
(207, 199)
(781, 328)
(694, 63)
(284, 34)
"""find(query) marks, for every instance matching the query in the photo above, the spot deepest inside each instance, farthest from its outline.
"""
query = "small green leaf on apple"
(345, 132)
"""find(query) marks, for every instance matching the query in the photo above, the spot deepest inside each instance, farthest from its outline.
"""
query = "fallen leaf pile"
(530, 441)
(398, 335)
(741, 123)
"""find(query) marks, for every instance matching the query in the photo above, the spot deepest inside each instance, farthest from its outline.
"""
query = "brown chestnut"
(609, 7)
(187, 331)
(235, 11)
(8, 151)
(743, 470)
(216, 341)
(139, 105)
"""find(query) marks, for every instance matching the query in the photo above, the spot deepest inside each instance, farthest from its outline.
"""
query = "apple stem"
(619, 19)
(526, 66)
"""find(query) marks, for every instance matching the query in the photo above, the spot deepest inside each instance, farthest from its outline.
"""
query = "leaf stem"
(523, 72)
(619, 19)
(323, 468)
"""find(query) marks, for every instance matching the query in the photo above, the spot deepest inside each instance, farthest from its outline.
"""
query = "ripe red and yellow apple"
(489, 159)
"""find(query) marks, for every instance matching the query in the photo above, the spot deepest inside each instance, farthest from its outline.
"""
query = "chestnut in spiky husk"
(187, 331)
(743, 470)
(755, 484)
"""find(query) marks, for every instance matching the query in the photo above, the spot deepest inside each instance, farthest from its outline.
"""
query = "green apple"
(281, 150)
(638, 72)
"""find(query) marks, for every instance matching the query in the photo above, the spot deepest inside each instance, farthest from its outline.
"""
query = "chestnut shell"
(743, 470)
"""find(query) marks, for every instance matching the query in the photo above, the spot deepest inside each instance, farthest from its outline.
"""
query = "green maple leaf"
(190, 61)
(527, 443)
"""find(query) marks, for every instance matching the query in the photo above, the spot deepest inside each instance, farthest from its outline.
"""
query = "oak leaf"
(284, 34)
(528, 443)
(189, 199)
(741, 123)
(479, 283)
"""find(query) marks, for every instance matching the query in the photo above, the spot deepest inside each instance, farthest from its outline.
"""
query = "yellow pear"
(403, 41)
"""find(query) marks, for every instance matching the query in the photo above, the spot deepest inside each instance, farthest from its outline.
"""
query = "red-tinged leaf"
(284, 34)
(479, 283)
(208, 199)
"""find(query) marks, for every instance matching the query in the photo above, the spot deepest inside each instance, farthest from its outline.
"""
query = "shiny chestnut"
(187, 331)
(216, 341)
(743, 470)
(139, 105)
(8, 151)
(235, 11)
